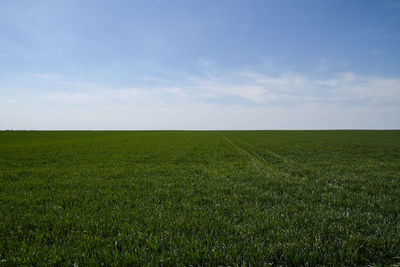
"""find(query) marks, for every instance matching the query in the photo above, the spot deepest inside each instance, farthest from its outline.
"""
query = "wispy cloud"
(286, 89)
(285, 101)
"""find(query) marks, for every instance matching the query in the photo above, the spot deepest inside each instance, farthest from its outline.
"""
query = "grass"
(200, 198)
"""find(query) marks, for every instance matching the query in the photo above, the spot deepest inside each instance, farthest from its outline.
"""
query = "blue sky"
(267, 64)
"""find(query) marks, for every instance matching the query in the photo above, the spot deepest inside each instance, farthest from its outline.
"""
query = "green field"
(200, 198)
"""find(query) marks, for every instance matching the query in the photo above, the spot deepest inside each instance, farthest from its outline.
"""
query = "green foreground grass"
(200, 198)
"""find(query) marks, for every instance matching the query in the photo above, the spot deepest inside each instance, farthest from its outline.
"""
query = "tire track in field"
(257, 160)
(214, 154)
(279, 156)
(213, 157)
(276, 155)
(217, 169)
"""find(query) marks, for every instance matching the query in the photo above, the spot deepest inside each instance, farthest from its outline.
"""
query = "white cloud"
(347, 86)
(285, 89)
(285, 101)
(199, 116)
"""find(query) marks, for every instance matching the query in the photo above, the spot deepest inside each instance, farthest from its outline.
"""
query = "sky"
(199, 65)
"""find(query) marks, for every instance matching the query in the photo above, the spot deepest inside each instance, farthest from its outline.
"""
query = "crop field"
(200, 198)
